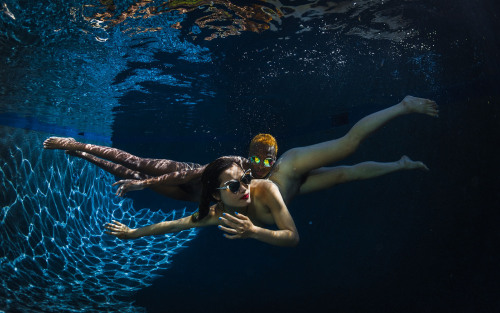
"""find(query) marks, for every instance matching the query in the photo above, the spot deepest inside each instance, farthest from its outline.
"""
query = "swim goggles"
(268, 162)
(234, 185)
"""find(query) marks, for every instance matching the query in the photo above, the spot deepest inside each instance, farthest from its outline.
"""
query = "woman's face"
(240, 198)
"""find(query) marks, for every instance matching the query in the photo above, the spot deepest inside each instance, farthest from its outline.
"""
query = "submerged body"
(243, 213)
(297, 171)
(302, 170)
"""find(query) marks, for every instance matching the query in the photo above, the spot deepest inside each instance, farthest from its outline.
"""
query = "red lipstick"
(245, 196)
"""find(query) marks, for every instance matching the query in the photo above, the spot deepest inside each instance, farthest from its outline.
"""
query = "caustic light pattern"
(54, 255)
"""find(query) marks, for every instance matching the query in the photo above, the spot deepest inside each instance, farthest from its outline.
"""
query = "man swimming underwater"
(297, 171)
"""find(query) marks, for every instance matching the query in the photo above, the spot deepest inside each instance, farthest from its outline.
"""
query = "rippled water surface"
(193, 80)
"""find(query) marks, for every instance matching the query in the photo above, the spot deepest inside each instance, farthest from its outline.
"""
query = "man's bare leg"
(299, 161)
(153, 167)
(327, 177)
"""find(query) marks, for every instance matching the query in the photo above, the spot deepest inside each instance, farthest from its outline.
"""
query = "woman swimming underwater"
(297, 171)
(244, 206)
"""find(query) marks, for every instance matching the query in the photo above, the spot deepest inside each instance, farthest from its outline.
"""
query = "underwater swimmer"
(302, 170)
(243, 208)
(299, 170)
(177, 180)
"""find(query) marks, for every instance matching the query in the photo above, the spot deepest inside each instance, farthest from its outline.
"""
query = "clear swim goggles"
(234, 185)
(268, 162)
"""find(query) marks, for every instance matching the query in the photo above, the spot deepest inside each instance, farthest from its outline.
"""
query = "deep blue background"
(407, 242)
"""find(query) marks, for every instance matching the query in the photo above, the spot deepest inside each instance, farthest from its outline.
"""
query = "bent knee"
(351, 142)
(344, 174)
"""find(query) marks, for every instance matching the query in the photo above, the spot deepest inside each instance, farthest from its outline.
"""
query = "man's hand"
(127, 185)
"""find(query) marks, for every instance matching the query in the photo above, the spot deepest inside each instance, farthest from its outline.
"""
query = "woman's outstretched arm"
(122, 231)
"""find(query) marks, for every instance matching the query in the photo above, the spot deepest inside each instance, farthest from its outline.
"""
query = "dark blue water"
(151, 83)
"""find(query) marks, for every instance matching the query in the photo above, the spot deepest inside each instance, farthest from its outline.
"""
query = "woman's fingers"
(235, 226)
(232, 236)
(235, 234)
(235, 218)
(228, 230)
(114, 225)
(230, 222)
(233, 221)
(111, 227)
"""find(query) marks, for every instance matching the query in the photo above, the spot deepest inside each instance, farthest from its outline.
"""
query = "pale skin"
(302, 170)
(242, 215)
(299, 170)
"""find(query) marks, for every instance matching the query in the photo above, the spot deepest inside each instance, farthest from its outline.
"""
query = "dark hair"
(210, 182)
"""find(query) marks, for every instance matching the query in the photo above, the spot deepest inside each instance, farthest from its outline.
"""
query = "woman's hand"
(119, 230)
(127, 185)
(238, 226)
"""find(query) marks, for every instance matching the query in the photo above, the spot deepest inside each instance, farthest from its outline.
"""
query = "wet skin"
(262, 151)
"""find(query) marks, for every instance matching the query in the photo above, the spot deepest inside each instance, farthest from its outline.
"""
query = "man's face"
(262, 152)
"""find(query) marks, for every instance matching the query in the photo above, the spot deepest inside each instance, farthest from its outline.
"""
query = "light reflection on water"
(67, 56)
(214, 19)
(51, 54)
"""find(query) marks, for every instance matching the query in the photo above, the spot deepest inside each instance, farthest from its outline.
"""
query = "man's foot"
(409, 164)
(420, 105)
(60, 143)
